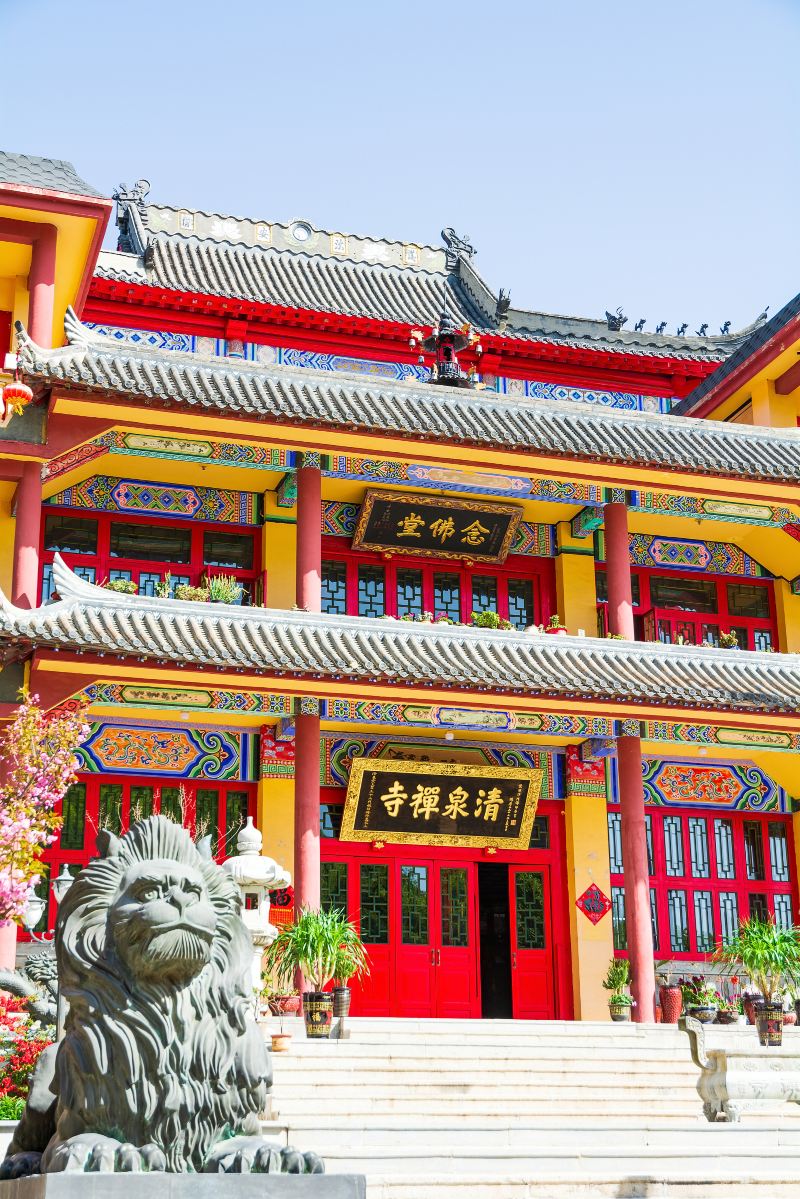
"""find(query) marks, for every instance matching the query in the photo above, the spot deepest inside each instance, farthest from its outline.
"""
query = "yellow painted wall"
(771, 409)
(575, 582)
(587, 862)
(276, 819)
(787, 610)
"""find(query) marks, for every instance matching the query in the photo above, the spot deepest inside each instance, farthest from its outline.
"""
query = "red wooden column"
(42, 286)
(25, 581)
(631, 791)
(306, 738)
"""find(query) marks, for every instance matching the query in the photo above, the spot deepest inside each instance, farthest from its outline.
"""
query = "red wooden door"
(414, 941)
(372, 883)
(531, 951)
(456, 953)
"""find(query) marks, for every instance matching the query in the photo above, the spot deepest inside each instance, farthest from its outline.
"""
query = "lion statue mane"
(161, 1066)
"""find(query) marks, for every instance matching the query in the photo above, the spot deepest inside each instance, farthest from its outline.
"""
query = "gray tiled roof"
(416, 411)
(221, 256)
(256, 640)
(51, 174)
(789, 314)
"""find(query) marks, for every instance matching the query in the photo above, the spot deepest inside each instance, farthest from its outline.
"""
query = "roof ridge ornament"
(615, 320)
(132, 219)
(457, 247)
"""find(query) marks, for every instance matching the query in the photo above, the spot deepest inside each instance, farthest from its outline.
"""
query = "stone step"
(429, 1088)
(415, 1138)
(760, 1184)
(362, 1067)
(535, 1162)
(286, 1107)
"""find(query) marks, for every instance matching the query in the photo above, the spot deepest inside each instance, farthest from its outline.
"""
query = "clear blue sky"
(597, 153)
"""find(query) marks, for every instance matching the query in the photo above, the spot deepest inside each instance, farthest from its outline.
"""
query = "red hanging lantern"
(16, 396)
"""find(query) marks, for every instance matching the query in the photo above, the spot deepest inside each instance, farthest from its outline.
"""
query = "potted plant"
(554, 625)
(311, 947)
(700, 998)
(770, 956)
(728, 640)
(121, 586)
(617, 978)
(351, 962)
(196, 595)
(727, 1010)
(670, 997)
(224, 589)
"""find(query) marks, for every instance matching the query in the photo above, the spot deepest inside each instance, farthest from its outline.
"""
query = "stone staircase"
(511, 1109)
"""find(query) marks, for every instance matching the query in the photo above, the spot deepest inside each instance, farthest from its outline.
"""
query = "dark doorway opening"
(495, 942)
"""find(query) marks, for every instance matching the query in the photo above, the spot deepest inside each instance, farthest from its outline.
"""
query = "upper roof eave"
(308, 397)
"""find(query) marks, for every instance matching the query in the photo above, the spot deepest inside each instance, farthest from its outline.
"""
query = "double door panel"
(417, 919)
(435, 942)
(532, 981)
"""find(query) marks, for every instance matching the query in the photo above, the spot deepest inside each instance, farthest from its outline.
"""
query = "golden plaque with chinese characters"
(439, 803)
(403, 523)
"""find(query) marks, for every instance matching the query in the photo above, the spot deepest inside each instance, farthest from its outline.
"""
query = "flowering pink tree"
(37, 752)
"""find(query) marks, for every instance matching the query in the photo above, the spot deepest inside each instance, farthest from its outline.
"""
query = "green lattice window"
(330, 820)
(414, 904)
(540, 833)
(74, 814)
(206, 814)
(375, 904)
(455, 906)
(333, 886)
(171, 804)
(235, 818)
(529, 892)
(141, 803)
(110, 813)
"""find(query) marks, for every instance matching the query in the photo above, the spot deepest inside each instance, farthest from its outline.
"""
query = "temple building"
(488, 617)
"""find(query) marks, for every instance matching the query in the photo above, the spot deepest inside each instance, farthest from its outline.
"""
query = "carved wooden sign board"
(427, 525)
(439, 803)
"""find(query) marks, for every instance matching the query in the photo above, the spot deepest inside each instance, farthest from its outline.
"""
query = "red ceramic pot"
(671, 1003)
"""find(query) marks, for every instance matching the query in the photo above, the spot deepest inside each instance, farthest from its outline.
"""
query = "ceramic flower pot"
(769, 1022)
(281, 1042)
(671, 1003)
(705, 1014)
(727, 1017)
(341, 1001)
(285, 1005)
(619, 1012)
(789, 1018)
(318, 1012)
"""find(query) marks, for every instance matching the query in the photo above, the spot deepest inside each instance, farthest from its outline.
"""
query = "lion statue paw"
(20, 1165)
(93, 1153)
(254, 1155)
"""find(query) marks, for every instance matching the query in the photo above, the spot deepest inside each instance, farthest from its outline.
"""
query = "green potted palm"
(616, 981)
(311, 947)
(770, 956)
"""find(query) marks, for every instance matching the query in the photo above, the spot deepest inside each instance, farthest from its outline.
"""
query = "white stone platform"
(552, 1110)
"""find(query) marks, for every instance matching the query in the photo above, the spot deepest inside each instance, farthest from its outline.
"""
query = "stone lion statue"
(161, 1066)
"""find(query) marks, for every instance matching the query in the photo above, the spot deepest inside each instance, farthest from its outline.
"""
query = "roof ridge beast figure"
(162, 1066)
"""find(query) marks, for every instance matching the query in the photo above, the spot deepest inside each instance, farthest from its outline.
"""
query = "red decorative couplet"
(593, 903)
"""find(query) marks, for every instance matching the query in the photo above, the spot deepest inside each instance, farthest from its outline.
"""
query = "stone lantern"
(256, 876)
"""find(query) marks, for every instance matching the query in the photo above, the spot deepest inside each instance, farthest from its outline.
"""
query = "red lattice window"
(364, 584)
(106, 546)
(694, 610)
(708, 871)
(112, 802)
